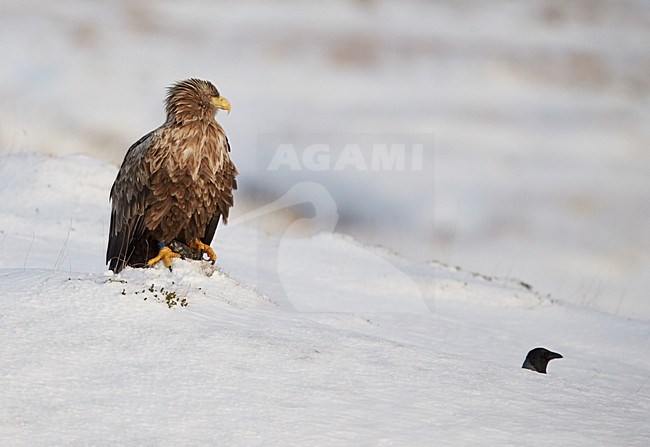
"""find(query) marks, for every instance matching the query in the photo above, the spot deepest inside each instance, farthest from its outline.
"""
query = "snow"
(317, 340)
(534, 117)
(336, 315)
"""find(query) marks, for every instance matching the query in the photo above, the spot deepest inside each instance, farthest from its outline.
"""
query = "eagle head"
(193, 99)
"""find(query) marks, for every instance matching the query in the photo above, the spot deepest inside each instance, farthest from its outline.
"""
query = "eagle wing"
(129, 196)
(226, 183)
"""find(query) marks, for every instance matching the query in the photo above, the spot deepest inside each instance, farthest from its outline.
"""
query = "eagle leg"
(196, 244)
(166, 255)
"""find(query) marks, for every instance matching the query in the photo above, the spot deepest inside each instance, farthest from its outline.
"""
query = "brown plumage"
(175, 182)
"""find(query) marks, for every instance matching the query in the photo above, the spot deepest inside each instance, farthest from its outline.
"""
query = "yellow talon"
(166, 255)
(196, 244)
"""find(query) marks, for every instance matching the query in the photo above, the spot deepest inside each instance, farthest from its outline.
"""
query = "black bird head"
(538, 358)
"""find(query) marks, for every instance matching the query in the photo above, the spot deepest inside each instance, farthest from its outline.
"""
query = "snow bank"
(310, 341)
(539, 112)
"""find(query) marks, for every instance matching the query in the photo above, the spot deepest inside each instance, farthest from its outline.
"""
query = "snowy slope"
(311, 341)
(538, 111)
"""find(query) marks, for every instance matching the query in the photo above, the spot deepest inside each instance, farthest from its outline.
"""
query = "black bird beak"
(538, 358)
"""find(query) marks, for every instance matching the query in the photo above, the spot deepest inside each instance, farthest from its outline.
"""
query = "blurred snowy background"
(540, 113)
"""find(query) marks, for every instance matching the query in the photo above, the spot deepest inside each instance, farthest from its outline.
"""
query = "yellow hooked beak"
(221, 103)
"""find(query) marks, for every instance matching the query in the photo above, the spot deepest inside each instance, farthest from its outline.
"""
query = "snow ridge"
(291, 341)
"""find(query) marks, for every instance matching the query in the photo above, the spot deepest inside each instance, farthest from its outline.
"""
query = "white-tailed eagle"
(175, 183)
